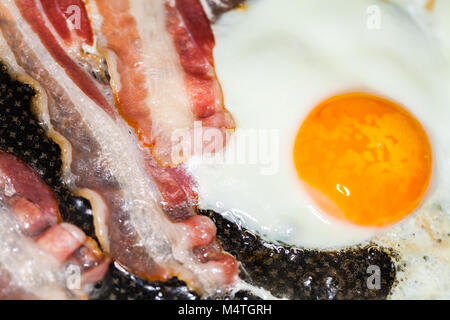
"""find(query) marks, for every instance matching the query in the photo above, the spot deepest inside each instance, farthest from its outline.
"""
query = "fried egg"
(342, 138)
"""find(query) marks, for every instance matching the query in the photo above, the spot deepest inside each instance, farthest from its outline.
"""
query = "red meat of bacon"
(39, 254)
(160, 53)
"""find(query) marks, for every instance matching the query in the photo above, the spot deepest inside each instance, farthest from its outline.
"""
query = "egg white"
(276, 61)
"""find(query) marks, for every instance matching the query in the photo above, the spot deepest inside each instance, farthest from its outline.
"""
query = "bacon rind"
(194, 41)
(108, 165)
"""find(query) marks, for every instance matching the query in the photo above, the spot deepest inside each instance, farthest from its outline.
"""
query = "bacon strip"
(176, 188)
(107, 164)
(30, 9)
(69, 18)
(34, 247)
(160, 53)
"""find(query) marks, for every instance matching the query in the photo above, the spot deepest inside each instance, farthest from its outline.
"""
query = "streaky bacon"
(35, 249)
(168, 80)
(194, 41)
(30, 9)
(143, 212)
(175, 186)
(177, 190)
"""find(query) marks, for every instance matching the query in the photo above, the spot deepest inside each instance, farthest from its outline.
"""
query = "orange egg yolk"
(363, 159)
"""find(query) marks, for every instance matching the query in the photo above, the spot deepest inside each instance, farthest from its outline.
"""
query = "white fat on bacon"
(28, 270)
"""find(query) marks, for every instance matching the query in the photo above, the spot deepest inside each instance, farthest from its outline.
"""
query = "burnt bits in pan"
(121, 285)
(284, 271)
(219, 7)
(293, 273)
